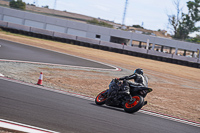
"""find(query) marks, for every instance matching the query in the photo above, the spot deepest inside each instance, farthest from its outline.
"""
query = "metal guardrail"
(182, 60)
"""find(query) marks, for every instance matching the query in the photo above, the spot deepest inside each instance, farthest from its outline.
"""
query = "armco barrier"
(42, 31)
(159, 54)
(135, 49)
(112, 45)
(64, 35)
(18, 27)
(183, 58)
(3, 24)
(194, 62)
(88, 40)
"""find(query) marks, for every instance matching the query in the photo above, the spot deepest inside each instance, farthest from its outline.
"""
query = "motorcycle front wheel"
(100, 99)
(135, 106)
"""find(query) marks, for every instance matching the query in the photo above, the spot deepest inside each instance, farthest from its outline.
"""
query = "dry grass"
(176, 89)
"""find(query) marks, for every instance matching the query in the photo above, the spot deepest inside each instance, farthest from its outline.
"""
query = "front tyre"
(101, 98)
(135, 106)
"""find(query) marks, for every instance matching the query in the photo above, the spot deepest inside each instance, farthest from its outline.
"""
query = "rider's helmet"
(138, 71)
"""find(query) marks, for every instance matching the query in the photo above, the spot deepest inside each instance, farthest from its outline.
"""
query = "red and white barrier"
(1, 75)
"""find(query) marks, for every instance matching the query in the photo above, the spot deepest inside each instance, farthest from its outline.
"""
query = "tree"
(185, 24)
(45, 6)
(19, 4)
(174, 20)
(194, 39)
(137, 26)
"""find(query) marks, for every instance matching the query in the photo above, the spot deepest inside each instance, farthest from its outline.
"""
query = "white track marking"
(23, 127)
(90, 68)
(170, 118)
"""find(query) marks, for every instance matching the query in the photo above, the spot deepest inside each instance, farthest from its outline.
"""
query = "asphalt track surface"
(44, 108)
(29, 104)
(16, 51)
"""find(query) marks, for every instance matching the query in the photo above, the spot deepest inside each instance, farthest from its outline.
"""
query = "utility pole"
(124, 15)
(55, 4)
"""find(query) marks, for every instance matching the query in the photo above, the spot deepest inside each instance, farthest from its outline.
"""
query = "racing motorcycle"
(131, 101)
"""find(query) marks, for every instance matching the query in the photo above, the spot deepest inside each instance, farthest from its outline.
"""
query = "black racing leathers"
(140, 80)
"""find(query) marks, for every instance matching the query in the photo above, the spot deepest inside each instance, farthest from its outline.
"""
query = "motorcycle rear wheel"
(100, 100)
(135, 106)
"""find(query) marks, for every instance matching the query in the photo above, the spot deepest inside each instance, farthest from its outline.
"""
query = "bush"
(19, 4)
(138, 26)
(100, 23)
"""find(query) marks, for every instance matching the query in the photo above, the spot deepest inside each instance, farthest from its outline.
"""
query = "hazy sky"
(152, 13)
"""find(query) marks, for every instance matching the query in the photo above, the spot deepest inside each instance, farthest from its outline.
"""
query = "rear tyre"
(135, 106)
(100, 100)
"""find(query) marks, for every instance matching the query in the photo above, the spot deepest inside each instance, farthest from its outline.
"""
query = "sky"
(151, 14)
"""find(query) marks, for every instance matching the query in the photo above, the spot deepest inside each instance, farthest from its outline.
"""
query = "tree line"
(182, 24)
(19, 4)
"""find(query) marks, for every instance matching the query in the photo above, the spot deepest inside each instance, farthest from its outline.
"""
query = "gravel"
(29, 73)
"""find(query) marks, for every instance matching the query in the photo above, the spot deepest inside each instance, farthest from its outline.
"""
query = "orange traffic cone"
(40, 79)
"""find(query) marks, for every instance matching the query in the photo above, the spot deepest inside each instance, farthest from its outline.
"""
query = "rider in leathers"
(139, 78)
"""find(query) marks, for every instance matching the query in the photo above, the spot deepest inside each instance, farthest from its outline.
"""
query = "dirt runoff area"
(176, 88)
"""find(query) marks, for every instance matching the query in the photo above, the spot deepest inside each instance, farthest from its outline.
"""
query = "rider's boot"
(132, 100)
(145, 102)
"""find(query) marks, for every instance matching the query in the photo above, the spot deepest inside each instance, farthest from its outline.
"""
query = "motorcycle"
(117, 95)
